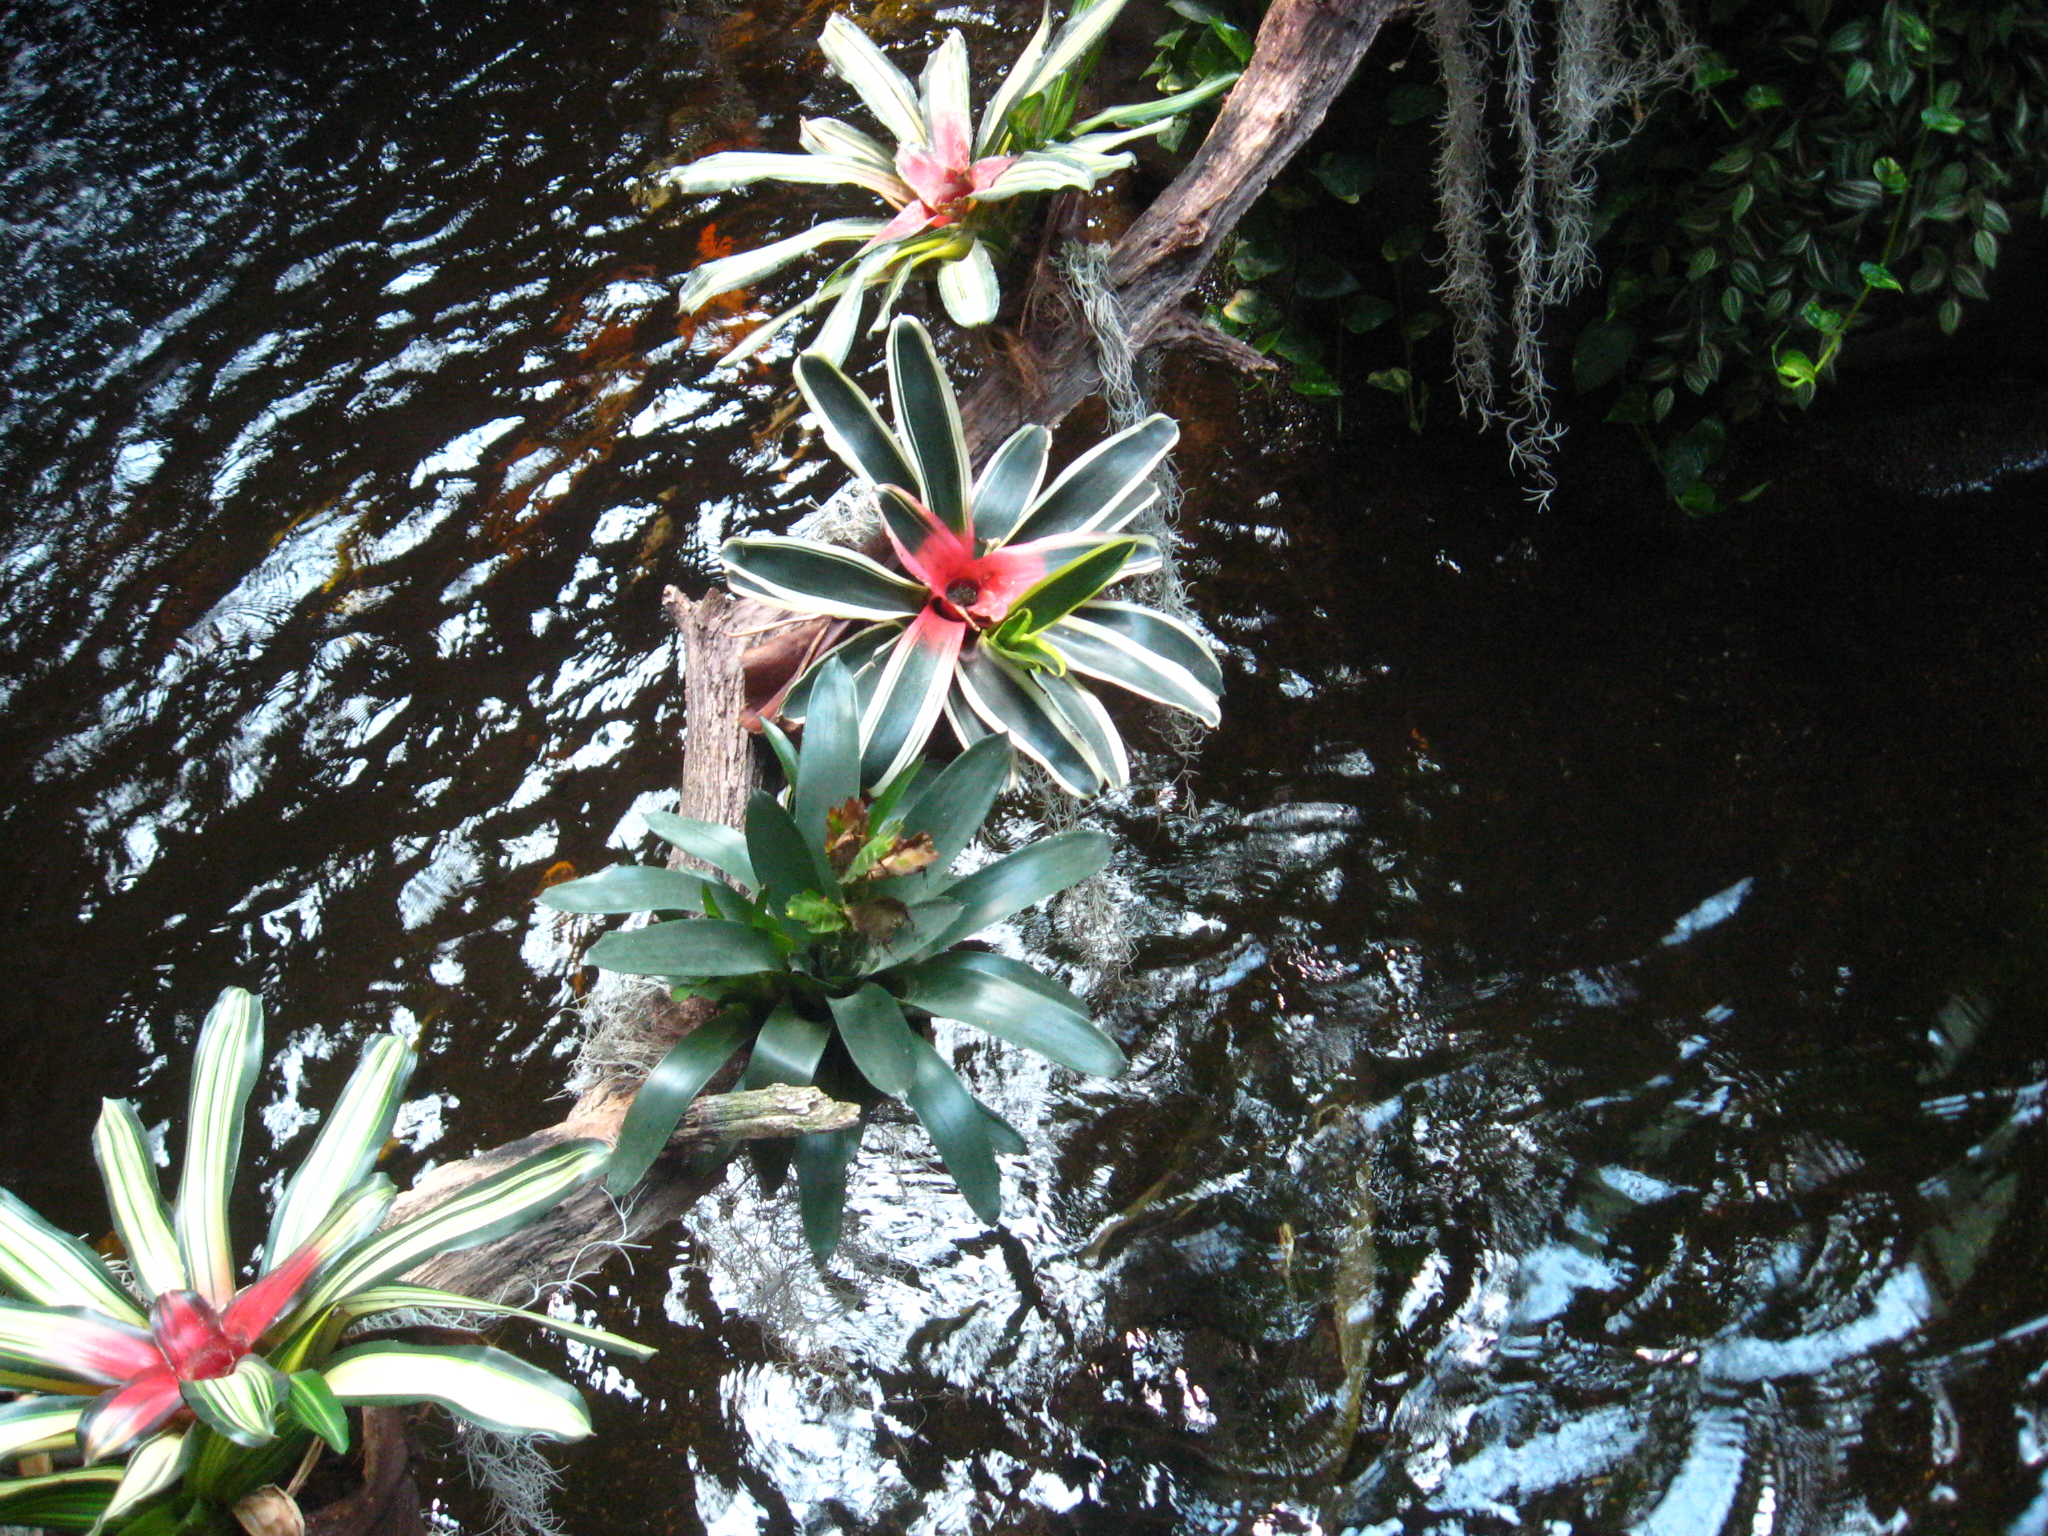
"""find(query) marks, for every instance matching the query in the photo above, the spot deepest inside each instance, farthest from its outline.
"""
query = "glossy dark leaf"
(628, 888)
(786, 862)
(877, 1037)
(658, 1107)
(1024, 879)
(721, 847)
(959, 1127)
(786, 1050)
(828, 769)
(689, 946)
(952, 806)
(1010, 999)
(821, 1159)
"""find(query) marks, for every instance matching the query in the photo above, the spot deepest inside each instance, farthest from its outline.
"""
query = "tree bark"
(1305, 53)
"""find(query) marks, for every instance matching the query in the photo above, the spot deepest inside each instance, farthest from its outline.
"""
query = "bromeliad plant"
(836, 928)
(1000, 606)
(947, 178)
(179, 1392)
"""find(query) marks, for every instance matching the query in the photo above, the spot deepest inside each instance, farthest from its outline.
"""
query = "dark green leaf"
(1367, 312)
(821, 1162)
(1601, 353)
(1321, 277)
(1023, 879)
(952, 807)
(1345, 177)
(628, 888)
(828, 770)
(786, 1050)
(1877, 277)
(1249, 307)
(959, 1128)
(1010, 999)
(876, 1036)
(721, 847)
(691, 946)
(658, 1108)
(1412, 101)
(1394, 381)
(786, 861)
(1403, 243)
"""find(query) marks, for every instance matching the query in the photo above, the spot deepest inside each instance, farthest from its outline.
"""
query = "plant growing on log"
(1001, 606)
(946, 179)
(179, 1392)
(836, 928)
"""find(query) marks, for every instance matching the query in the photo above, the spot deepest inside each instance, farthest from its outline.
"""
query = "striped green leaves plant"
(830, 942)
(947, 179)
(995, 616)
(169, 1391)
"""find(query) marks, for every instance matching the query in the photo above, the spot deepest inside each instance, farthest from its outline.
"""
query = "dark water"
(1584, 1004)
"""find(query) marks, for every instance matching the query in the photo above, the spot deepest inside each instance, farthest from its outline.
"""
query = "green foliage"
(999, 614)
(948, 180)
(1838, 165)
(830, 943)
(168, 1392)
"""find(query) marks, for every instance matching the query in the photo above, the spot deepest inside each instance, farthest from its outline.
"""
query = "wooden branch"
(1305, 54)
(580, 1233)
(720, 774)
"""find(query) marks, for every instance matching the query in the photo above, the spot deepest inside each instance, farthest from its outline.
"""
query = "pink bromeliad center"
(942, 177)
(975, 590)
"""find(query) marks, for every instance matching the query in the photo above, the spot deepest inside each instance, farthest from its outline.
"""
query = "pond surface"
(1585, 1004)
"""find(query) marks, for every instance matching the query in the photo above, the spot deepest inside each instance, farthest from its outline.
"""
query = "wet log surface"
(1305, 53)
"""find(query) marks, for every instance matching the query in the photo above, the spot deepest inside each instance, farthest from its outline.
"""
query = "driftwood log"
(1305, 52)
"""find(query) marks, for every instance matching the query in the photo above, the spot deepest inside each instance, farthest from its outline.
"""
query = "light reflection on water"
(1585, 1065)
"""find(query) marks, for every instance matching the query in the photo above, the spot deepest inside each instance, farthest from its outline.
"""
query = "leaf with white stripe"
(242, 1405)
(1040, 171)
(908, 696)
(1159, 111)
(224, 1068)
(886, 90)
(1094, 485)
(1016, 86)
(928, 423)
(486, 1386)
(1084, 27)
(843, 141)
(491, 1207)
(395, 1298)
(943, 97)
(1153, 655)
(739, 168)
(854, 429)
(122, 1150)
(968, 287)
(810, 577)
(743, 269)
(1009, 483)
(153, 1466)
(1007, 702)
(39, 1423)
(346, 1149)
(39, 1263)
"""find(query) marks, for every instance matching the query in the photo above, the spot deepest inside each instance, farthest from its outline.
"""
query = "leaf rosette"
(830, 941)
(946, 179)
(174, 1388)
(996, 618)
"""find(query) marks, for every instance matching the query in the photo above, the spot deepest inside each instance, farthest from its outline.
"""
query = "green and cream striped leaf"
(39, 1263)
(1100, 148)
(224, 1068)
(969, 289)
(943, 86)
(346, 1149)
(1160, 111)
(909, 695)
(743, 269)
(483, 1385)
(995, 118)
(1084, 27)
(39, 1423)
(1009, 483)
(721, 847)
(886, 90)
(71, 1500)
(1095, 485)
(863, 654)
(313, 1403)
(1090, 725)
(842, 321)
(242, 1405)
(1145, 651)
(854, 429)
(812, 577)
(1042, 170)
(1006, 702)
(394, 1298)
(740, 167)
(1089, 157)
(829, 136)
(928, 423)
(136, 1202)
(152, 1467)
(501, 1203)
